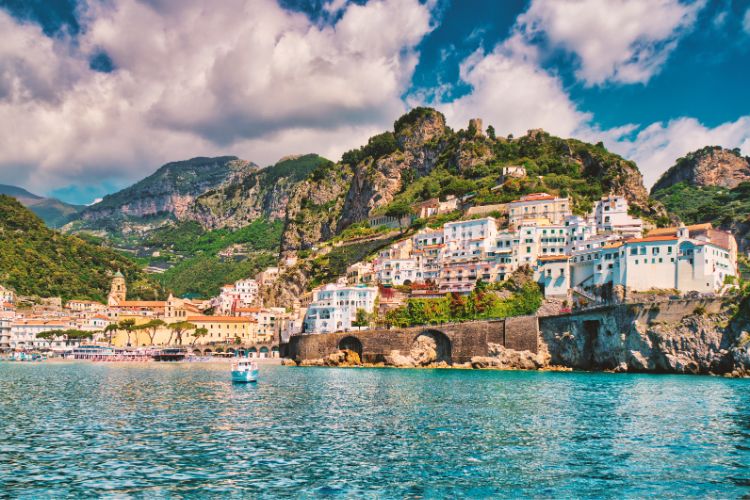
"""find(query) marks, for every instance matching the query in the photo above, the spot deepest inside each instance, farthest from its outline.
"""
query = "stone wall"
(465, 340)
(664, 336)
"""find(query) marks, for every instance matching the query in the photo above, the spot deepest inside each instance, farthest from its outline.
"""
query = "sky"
(97, 94)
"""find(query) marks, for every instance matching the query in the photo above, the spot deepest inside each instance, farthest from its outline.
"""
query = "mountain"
(423, 158)
(170, 190)
(263, 193)
(712, 185)
(52, 211)
(709, 166)
(36, 260)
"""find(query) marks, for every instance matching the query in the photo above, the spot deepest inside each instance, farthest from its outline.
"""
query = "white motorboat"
(244, 371)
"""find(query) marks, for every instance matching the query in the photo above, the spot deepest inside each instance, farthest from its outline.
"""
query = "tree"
(491, 132)
(361, 319)
(151, 327)
(399, 209)
(112, 327)
(74, 334)
(128, 325)
(198, 333)
(48, 336)
(178, 330)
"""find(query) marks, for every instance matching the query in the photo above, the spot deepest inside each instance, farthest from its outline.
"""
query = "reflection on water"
(185, 430)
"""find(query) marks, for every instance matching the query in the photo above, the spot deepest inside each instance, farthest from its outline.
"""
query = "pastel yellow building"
(224, 329)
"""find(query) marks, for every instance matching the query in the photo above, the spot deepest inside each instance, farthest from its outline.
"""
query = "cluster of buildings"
(237, 318)
(603, 256)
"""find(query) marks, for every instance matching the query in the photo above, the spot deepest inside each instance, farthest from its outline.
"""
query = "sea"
(184, 430)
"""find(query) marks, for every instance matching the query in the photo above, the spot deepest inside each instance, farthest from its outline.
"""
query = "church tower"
(118, 290)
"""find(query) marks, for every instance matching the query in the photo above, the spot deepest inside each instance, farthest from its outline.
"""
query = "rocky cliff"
(422, 158)
(699, 342)
(262, 193)
(710, 166)
(171, 189)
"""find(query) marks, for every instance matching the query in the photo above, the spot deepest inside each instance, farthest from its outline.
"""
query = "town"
(607, 256)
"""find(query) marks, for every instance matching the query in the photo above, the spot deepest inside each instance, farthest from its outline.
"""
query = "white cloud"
(511, 92)
(624, 41)
(656, 147)
(746, 21)
(243, 76)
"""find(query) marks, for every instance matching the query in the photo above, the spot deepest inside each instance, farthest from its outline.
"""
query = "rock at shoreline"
(509, 359)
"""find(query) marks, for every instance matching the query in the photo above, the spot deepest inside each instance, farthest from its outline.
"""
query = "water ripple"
(185, 431)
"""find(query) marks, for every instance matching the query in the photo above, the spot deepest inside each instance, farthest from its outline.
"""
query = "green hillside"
(35, 260)
(52, 211)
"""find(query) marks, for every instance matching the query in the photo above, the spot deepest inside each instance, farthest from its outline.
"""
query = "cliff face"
(171, 189)
(710, 166)
(376, 182)
(263, 193)
(697, 343)
(314, 207)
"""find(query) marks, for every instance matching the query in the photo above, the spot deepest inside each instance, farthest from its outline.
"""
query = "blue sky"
(95, 95)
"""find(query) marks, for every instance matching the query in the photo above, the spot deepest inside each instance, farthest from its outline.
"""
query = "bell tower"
(118, 291)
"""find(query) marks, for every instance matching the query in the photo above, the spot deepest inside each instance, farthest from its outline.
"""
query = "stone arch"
(351, 343)
(275, 351)
(431, 346)
(263, 352)
(207, 352)
(231, 350)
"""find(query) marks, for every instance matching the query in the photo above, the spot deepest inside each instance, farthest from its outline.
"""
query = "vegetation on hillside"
(720, 206)
(35, 260)
(482, 303)
(565, 167)
(203, 276)
(191, 239)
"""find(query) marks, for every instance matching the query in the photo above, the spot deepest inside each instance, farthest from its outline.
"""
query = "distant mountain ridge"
(171, 189)
(52, 211)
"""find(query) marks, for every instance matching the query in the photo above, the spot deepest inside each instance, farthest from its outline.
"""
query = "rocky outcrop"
(340, 358)
(697, 344)
(377, 181)
(171, 189)
(710, 166)
(314, 208)
(508, 359)
(263, 193)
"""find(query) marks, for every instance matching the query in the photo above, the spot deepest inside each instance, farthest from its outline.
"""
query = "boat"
(171, 354)
(244, 370)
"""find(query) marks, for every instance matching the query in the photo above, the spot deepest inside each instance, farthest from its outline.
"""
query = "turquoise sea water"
(184, 431)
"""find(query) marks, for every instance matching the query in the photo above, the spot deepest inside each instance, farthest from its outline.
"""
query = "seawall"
(625, 337)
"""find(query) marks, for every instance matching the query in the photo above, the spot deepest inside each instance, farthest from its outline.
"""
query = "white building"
(7, 295)
(702, 261)
(242, 293)
(397, 271)
(23, 333)
(611, 215)
(538, 205)
(469, 237)
(334, 308)
(5, 332)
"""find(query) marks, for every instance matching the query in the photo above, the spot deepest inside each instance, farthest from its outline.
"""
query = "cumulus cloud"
(624, 41)
(746, 21)
(656, 147)
(242, 76)
(513, 93)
